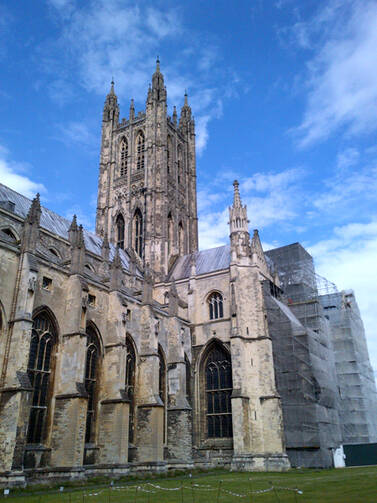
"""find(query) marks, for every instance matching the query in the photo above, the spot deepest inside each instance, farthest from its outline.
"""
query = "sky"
(284, 94)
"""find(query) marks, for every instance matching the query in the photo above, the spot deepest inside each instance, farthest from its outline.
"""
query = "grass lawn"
(321, 486)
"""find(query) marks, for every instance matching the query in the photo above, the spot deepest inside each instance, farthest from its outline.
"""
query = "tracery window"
(130, 386)
(179, 162)
(169, 155)
(138, 233)
(170, 233)
(40, 375)
(123, 157)
(162, 385)
(120, 231)
(140, 148)
(91, 375)
(218, 373)
(215, 303)
(180, 239)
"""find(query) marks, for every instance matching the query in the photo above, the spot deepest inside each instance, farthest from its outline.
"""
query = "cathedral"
(129, 350)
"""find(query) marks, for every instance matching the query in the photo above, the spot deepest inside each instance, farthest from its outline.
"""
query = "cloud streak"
(342, 77)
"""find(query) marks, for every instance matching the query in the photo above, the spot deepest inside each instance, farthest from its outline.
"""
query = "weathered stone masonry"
(129, 350)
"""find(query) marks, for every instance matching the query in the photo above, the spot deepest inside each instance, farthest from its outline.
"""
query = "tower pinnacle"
(236, 196)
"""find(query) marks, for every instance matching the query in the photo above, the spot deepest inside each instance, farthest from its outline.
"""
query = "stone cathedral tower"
(147, 180)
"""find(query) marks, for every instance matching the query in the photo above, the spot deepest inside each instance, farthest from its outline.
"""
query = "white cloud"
(104, 38)
(349, 260)
(12, 175)
(342, 82)
(76, 132)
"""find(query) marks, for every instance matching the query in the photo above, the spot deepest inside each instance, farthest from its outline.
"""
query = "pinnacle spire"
(34, 212)
(73, 226)
(158, 64)
(236, 196)
(112, 86)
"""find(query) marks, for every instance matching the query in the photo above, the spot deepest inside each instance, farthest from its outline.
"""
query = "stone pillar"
(15, 409)
(179, 439)
(68, 433)
(114, 408)
(150, 409)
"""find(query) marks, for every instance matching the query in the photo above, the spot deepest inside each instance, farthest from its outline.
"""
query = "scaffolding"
(321, 361)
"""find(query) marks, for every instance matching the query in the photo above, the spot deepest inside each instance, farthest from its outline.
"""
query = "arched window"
(39, 370)
(188, 379)
(218, 374)
(169, 155)
(140, 147)
(162, 386)
(120, 231)
(130, 386)
(170, 233)
(8, 234)
(179, 164)
(123, 154)
(215, 303)
(181, 239)
(138, 233)
(91, 376)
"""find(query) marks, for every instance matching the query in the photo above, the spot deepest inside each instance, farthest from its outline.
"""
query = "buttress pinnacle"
(236, 195)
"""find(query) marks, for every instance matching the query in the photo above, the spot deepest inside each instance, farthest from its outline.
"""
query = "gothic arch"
(93, 358)
(138, 232)
(120, 230)
(123, 153)
(10, 230)
(215, 389)
(181, 239)
(215, 305)
(170, 232)
(140, 150)
(162, 385)
(41, 372)
(130, 384)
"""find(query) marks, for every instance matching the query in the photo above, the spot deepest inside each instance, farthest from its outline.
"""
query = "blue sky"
(284, 95)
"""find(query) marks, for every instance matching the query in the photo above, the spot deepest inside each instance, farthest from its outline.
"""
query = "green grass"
(320, 486)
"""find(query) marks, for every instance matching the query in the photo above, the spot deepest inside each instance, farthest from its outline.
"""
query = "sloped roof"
(57, 224)
(214, 259)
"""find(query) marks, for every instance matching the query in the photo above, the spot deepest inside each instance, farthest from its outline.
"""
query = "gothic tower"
(147, 179)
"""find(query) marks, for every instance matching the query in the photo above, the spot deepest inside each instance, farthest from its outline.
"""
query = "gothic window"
(138, 233)
(162, 385)
(8, 234)
(180, 239)
(215, 304)
(169, 155)
(140, 148)
(188, 379)
(130, 386)
(91, 377)
(170, 233)
(218, 378)
(123, 157)
(120, 231)
(39, 370)
(180, 174)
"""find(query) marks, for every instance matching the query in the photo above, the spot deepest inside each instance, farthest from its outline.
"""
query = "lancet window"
(130, 386)
(162, 385)
(215, 304)
(170, 233)
(39, 370)
(179, 164)
(169, 155)
(140, 151)
(218, 378)
(123, 157)
(181, 239)
(91, 381)
(138, 232)
(120, 231)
